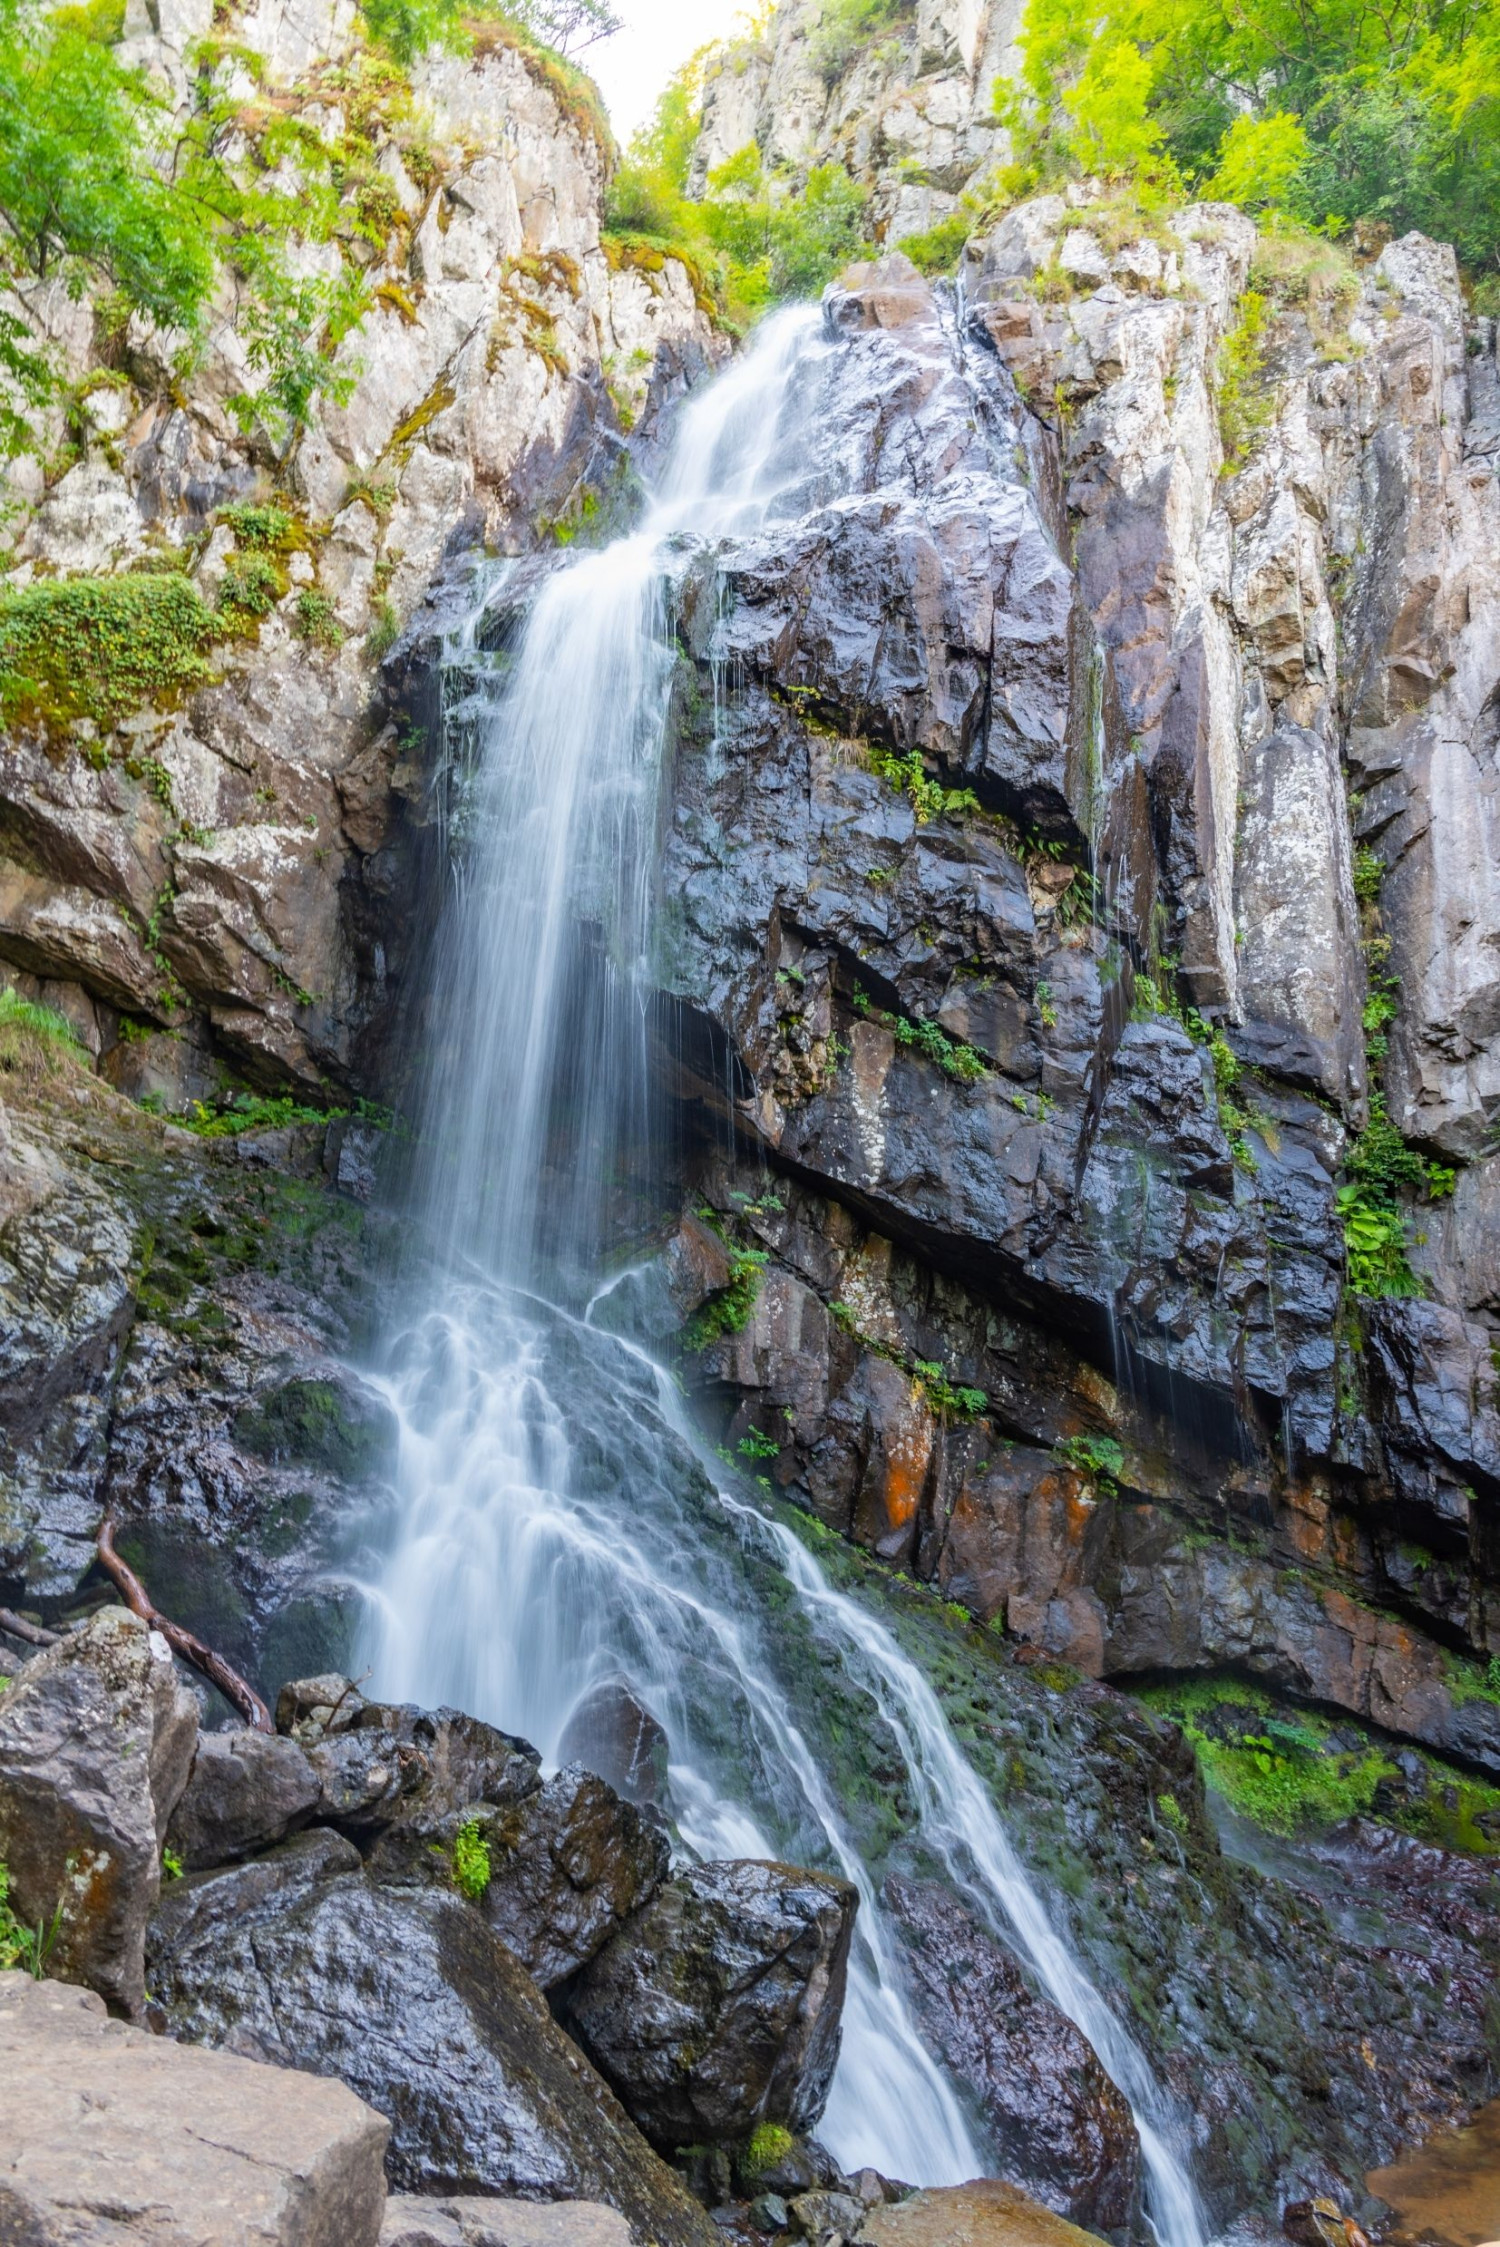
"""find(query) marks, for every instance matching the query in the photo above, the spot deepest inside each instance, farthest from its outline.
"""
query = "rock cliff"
(227, 877)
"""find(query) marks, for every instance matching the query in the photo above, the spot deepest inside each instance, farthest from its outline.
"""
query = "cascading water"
(553, 1530)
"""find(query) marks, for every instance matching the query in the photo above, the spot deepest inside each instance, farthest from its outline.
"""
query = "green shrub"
(100, 648)
(1100, 1456)
(939, 248)
(315, 620)
(252, 586)
(251, 1111)
(929, 799)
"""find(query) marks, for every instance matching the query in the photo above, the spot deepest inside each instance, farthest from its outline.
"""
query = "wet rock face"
(410, 1999)
(1004, 1147)
(1058, 2125)
(96, 1740)
(717, 2007)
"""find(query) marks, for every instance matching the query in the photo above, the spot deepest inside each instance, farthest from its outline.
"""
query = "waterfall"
(554, 1527)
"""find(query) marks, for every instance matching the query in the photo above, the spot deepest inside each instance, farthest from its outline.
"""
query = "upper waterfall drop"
(553, 1529)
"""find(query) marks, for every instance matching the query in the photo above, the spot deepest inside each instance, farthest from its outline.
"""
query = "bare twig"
(203, 1658)
(16, 1626)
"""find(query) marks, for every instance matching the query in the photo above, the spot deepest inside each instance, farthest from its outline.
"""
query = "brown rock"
(984, 2214)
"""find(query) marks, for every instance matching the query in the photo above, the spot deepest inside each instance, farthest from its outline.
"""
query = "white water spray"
(552, 1531)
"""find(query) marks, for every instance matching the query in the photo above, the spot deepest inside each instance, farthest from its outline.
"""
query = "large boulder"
(96, 1741)
(415, 2221)
(407, 1996)
(112, 2134)
(986, 2213)
(718, 2006)
(383, 1766)
(246, 1791)
(1057, 2123)
(568, 1865)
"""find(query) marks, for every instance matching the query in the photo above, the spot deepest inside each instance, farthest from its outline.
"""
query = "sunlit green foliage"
(761, 237)
(1325, 110)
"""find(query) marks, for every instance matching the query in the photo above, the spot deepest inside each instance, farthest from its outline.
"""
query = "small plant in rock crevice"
(929, 799)
(730, 1308)
(28, 1948)
(938, 1390)
(471, 1860)
(964, 1063)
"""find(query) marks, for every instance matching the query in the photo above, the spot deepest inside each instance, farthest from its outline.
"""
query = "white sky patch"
(659, 35)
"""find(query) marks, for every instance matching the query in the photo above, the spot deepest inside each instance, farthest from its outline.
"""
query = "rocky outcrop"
(110, 2131)
(176, 1316)
(96, 1740)
(1088, 1044)
(904, 101)
(409, 1998)
(231, 876)
(717, 2007)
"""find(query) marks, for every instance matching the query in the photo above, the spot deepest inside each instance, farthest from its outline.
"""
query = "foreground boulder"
(718, 2006)
(111, 2134)
(984, 2214)
(96, 1740)
(1057, 2123)
(574, 1862)
(411, 2221)
(299, 1958)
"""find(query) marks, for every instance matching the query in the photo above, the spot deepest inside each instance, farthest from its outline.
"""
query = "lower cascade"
(557, 1541)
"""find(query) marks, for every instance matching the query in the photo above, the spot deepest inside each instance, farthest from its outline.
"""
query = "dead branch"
(203, 1658)
(16, 1626)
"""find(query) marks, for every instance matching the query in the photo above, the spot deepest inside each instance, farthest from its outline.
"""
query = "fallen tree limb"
(16, 1626)
(203, 1658)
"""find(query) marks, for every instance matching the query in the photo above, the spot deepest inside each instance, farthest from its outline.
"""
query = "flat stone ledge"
(117, 2138)
(413, 2221)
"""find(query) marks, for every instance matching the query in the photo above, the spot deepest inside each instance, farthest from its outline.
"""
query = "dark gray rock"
(570, 1864)
(718, 2006)
(410, 1999)
(402, 1766)
(610, 1732)
(1056, 2122)
(245, 1792)
(96, 1740)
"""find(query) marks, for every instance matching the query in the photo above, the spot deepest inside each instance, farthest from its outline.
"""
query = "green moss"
(769, 2146)
(1467, 1681)
(1280, 1772)
(99, 648)
(311, 1422)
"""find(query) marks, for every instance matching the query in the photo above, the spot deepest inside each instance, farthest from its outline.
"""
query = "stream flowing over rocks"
(854, 1597)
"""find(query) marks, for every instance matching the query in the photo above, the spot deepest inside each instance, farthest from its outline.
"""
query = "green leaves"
(1323, 110)
(471, 1860)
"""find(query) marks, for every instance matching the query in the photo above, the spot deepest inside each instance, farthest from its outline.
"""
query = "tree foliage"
(763, 236)
(1329, 110)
